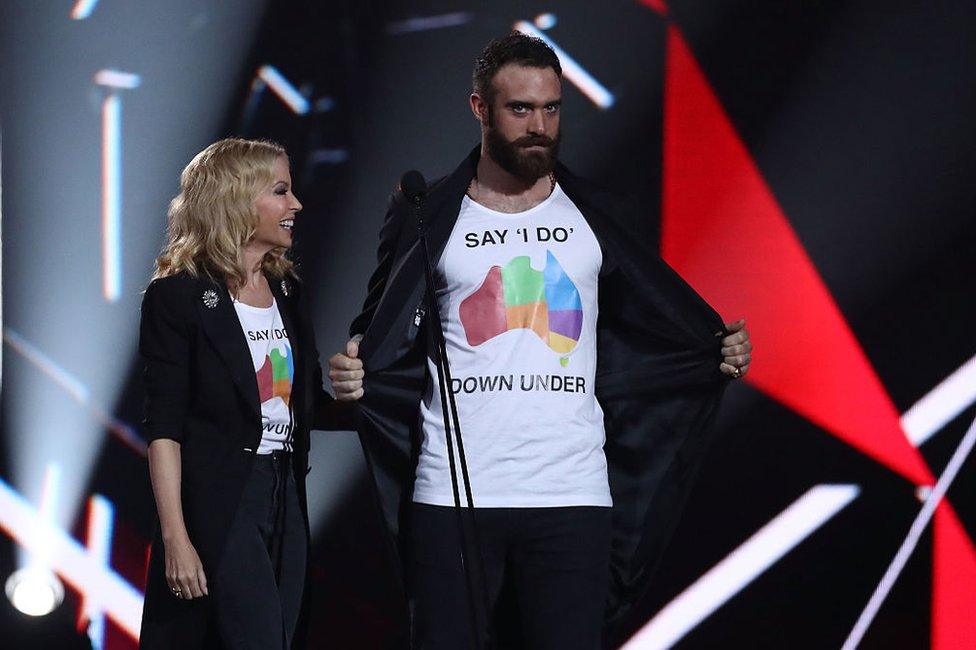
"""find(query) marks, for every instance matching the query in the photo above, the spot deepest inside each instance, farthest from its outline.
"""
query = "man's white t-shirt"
(274, 367)
(517, 295)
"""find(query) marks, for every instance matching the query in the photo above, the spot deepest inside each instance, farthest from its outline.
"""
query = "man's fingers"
(346, 375)
(342, 362)
(736, 325)
(732, 350)
(347, 386)
(743, 370)
(728, 369)
(737, 338)
(349, 397)
(738, 360)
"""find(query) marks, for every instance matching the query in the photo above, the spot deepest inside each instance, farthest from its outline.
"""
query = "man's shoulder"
(592, 192)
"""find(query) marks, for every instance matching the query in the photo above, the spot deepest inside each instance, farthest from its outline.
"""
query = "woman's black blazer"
(201, 391)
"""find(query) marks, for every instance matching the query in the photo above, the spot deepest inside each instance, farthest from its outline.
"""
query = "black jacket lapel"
(405, 285)
(286, 307)
(223, 328)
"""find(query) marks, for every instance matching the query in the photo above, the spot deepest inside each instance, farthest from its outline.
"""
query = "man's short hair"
(515, 48)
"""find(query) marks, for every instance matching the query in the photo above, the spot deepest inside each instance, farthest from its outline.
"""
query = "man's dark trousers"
(554, 559)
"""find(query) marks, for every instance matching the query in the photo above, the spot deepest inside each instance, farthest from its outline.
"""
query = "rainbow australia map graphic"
(275, 376)
(516, 296)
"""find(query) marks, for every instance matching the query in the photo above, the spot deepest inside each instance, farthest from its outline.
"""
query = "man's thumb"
(352, 349)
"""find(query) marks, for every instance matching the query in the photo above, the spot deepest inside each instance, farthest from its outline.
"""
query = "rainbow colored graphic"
(517, 296)
(276, 375)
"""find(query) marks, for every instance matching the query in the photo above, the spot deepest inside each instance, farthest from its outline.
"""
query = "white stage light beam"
(114, 80)
(911, 541)
(742, 566)
(101, 515)
(120, 600)
(573, 71)
(285, 91)
(941, 405)
(83, 9)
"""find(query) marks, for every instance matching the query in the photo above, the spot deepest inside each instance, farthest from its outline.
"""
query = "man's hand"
(346, 372)
(736, 349)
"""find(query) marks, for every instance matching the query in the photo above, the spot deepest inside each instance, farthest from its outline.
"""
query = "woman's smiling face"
(276, 206)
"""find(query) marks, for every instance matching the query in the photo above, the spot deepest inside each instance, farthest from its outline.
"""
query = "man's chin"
(533, 165)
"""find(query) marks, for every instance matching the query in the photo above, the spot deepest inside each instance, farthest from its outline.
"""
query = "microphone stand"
(450, 417)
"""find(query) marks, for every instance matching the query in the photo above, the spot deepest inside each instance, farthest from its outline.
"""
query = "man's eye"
(552, 108)
(519, 108)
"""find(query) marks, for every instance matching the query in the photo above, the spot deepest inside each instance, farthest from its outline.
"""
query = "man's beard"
(517, 160)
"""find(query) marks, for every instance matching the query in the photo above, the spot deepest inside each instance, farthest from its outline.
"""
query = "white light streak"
(285, 91)
(111, 197)
(427, 23)
(41, 552)
(101, 514)
(587, 84)
(545, 21)
(742, 566)
(83, 9)
(121, 601)
(74, 387)
(117, 79)
(911, 541)
(48, 366)
(114, 80)
(941, 405)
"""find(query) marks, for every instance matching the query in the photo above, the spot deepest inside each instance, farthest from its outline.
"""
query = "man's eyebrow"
(520, 102)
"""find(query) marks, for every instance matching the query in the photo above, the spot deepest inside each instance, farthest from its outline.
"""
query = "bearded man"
(583, 371)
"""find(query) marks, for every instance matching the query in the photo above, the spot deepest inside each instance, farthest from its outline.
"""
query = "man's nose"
(537, 123)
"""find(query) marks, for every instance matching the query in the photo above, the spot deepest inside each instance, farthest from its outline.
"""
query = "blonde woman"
(233, 386)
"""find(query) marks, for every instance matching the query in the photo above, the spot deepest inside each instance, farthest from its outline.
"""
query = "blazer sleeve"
(164, 346)
(386, 251)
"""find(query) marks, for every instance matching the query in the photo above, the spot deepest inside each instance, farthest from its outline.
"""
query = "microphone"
(413, 186)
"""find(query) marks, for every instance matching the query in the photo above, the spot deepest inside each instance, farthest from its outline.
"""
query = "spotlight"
(34, 591)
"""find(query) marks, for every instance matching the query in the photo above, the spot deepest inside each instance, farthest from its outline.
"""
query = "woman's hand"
(184, 571)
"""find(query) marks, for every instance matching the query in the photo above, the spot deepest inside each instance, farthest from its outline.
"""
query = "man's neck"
(495, 188)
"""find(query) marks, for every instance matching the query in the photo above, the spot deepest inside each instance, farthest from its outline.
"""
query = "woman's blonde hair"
(213, 217)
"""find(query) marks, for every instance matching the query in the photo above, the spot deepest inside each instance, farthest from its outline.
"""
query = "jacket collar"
(223, 329)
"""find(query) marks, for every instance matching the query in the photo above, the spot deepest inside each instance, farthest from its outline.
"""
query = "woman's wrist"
(176, 535)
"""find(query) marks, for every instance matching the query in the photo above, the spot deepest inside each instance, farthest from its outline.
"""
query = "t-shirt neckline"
(517, 215)
(256, 310)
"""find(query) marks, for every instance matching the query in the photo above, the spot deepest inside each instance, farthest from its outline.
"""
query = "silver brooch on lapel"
(210, 298)
(284, 287)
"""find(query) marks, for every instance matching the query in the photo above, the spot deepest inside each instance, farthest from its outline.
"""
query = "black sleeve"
(164, 346)
(389, 236)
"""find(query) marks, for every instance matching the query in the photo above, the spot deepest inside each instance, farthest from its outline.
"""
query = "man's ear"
(479, 108)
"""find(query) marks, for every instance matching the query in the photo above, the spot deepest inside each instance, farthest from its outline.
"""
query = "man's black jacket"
(657, 374)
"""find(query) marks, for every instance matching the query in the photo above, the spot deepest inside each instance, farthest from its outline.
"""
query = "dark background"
(857, 114)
